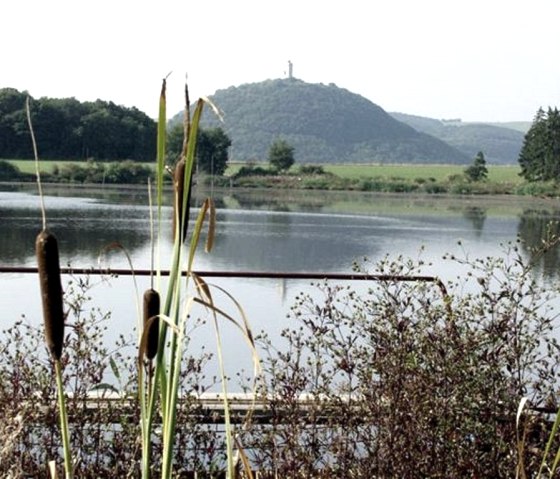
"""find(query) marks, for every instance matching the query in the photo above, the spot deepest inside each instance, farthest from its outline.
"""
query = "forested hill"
(500, 145)
(66, 128)
(324, 123)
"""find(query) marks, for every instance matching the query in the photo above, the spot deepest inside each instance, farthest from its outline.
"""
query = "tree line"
(66, 128)
(540, 155)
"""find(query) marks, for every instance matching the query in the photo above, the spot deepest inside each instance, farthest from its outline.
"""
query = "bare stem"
(37, 172)
(63, 421)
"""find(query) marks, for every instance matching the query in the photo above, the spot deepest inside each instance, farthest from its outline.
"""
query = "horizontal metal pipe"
(247, 274)
(233, 274)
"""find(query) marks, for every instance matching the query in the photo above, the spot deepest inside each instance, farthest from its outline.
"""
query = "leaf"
(105, 387)
(146, 331)
(211, 226)
(520, 410)
(115, 369)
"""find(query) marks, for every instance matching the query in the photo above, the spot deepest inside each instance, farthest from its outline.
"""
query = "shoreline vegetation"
(422, 179)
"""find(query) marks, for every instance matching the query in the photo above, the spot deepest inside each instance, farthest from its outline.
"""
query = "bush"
(9, 172)
(410, 381)
(461, 188)
(125, 172)
(539, 189)
(311, 170)
(434, 188)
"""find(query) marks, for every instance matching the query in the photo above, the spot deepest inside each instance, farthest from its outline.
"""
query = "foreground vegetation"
(409, 379)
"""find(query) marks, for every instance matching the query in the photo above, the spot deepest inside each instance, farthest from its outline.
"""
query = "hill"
(500, 144)
(324, 123)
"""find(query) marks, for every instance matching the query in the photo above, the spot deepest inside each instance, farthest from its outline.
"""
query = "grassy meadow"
(46, 166)
(500, 173)
(496, 173)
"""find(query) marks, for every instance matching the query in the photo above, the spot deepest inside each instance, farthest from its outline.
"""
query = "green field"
(28, 166)
(497, 174)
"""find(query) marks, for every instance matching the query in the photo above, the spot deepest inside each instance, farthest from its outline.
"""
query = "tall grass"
(160, 390)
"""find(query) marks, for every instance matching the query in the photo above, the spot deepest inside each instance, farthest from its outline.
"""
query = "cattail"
(179, 184)
(151, 310)
(46, 250)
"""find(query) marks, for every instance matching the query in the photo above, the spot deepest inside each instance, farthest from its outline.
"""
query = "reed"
(48, 265)
(163, 325)
(159, 392)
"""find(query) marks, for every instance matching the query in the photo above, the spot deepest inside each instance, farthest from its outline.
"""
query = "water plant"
(163, 327)
(48, 265)
(163, 386)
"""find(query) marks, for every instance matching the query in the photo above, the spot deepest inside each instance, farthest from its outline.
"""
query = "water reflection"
(275, 230)
(83, 227)
(477, 216)
(281, 241)
(534, 226)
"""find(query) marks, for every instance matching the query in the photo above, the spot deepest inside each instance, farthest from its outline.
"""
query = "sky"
(477, 60)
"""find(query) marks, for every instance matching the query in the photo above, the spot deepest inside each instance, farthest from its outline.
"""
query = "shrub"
(408, 381)
(311, 170)
(434, 188)
(538, 189)
(461, 188)
(251, 170)
(9, 172)
(125, 172)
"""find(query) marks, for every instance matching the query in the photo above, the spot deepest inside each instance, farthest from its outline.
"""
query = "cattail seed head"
(151, 310)
(48, 265)
(179, 190)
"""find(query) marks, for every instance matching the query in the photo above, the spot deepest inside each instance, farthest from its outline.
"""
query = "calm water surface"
(257, 231)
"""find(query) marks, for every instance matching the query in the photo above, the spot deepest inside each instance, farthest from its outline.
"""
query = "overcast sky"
(478, 60)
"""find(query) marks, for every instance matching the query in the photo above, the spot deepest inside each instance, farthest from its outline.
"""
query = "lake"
(264, 231)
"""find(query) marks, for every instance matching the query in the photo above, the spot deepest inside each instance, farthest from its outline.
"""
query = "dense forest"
(68, 129)
(324, 124)
(501, 145)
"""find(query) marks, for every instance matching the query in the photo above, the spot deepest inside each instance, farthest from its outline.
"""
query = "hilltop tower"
(290, 69)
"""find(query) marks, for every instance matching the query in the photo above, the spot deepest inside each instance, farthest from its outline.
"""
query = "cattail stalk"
(65, 432)
(48, 266)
